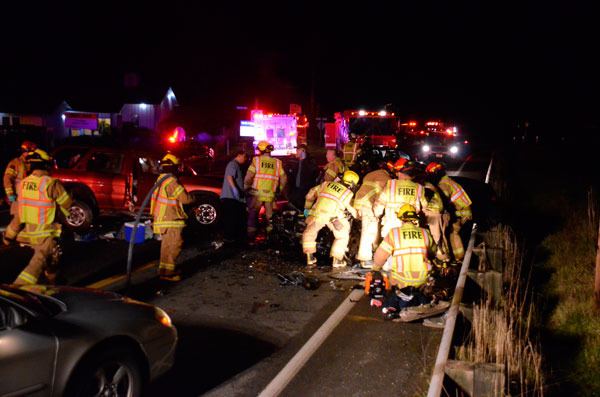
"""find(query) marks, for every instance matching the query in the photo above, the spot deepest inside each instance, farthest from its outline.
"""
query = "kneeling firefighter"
(38, 196)
(332, 202)
(405, 253)
(169, 217)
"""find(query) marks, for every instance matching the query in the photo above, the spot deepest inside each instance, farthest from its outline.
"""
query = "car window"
(69, 157)
(109, 163)
(148, 165)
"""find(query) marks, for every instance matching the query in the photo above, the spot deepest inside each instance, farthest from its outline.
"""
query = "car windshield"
(40, 303)
(373, 126)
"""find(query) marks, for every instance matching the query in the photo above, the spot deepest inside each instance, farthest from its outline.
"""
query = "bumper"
(161, 352)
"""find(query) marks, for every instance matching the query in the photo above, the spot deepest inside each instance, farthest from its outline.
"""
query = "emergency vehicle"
(434, 140)
(283, 131)
(379, 127)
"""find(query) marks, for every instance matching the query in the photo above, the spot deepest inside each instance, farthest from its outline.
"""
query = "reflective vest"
(166, 209)
(334, 168)
(268, 171)
(409, 246)
(373, 183)
(350, 149)
(36, 207)
(435, 204)
(13, 175)
(398, 192)
(332, 199)
(456, 195)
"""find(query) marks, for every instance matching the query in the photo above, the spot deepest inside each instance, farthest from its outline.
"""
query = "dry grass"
(571, 263)
(502, 335)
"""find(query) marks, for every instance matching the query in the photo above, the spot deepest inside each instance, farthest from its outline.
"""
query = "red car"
(106, 179)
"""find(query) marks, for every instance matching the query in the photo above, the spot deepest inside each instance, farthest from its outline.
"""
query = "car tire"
(205, 212)
(112, 370)
(80, 219)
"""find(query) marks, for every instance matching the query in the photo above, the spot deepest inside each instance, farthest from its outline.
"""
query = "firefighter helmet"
(350, 178)
(265, 147)
(433, 168)
(407, 213)
(28, 146)
(170, 159)
(38, 159)
(397, 165)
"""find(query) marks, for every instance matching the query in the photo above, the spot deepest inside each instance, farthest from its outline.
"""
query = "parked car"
(108, 179)
(65, 341)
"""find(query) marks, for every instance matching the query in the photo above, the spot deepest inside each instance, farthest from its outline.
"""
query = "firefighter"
(264, 175)
(15, 172)
(373, 183)
(332, 201)
(169, 216)
(335, 166)
(351, 150)
(437, 219)
(396, 193)
(39, 195)
(459, 205)
(405, 253)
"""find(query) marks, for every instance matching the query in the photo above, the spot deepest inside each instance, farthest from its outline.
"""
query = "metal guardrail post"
(437, 379)
(135, 225)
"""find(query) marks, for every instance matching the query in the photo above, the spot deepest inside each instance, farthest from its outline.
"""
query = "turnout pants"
(369, 235)
(254, 204)
(437, 223)
(341, 232)
(170, 248)
(455, 241)
(46, 255)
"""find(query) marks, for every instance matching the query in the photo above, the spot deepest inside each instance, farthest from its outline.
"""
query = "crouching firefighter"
(169, 216)
(332, 202)
(38, 196)
(405, 253)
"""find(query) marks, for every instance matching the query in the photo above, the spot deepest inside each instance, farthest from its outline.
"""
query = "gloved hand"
(306, 213)
(236, 194)
(12, 198)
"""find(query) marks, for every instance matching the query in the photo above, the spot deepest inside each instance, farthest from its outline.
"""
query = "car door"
(27, 353)
(104, 169)
(145, 173)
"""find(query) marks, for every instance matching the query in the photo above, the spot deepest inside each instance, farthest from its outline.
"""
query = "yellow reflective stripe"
(9, 191)
(178, 191)
(28, 278)
(385, 246)
(331, 172)
(10, 171)
(62, 198)
(309, 244)
(168, 266)
(177, 223)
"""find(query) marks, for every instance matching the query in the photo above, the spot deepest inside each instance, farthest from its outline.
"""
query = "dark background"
(488, 65)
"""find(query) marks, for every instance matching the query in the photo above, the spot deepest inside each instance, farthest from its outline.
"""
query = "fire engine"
(379, 127)
(434, 140)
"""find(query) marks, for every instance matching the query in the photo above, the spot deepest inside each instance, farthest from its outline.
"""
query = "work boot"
(170, 277)
(311, 261)
(366, 264)
(338, 263)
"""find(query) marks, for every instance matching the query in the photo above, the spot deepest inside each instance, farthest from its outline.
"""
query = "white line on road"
(283, 378)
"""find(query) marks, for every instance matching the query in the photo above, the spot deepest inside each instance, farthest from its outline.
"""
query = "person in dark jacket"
(303, 176)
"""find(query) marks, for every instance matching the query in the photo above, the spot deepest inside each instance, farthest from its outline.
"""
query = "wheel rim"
(112, 380)
(205, 214)
(76, 216)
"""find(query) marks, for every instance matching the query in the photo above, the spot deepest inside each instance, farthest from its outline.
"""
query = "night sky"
(481, 62)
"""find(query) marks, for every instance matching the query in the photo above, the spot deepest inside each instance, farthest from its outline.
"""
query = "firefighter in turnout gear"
(405, 253)
(351, 150)
(335, 166)
(459, 205)
(332, 201)
(169, 217)
(373, 183)
(265, 174)
(396, 193)
(437, 219)
(34, 224)
(15, 172)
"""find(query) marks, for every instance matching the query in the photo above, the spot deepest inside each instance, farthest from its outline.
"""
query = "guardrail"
(439, 369)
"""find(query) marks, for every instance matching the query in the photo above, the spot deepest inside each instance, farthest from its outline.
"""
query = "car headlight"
(162, 317)
(454, 149)
(426, 148)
